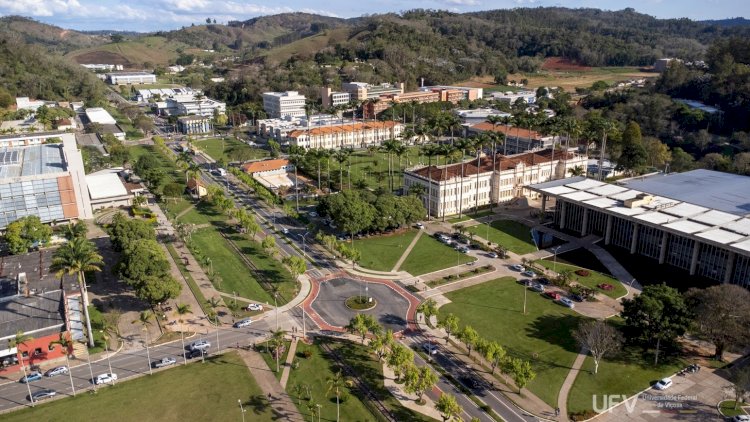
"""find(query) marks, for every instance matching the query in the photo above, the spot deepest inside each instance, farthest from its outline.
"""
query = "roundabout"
(337, 303)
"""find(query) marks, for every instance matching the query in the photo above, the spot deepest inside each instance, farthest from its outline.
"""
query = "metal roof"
(31, 161)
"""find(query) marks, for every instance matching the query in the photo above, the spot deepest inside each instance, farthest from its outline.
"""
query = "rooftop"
(347, 127)
(105, 184)
(508, 131)
(31, 314)
(36, 267)
(31, 160)
(265, 165)
(100, 115)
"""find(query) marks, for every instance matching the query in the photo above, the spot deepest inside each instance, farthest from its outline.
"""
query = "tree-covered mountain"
(52, 37)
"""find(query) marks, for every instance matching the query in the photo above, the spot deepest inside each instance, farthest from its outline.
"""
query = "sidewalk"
(282, 405)
(562, 396)
(288, 362)
(407, 251)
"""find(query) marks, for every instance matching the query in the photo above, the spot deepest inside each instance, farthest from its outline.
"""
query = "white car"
(430, 348)
(243, 323)
(567, 302)
(517, 267)
(663, 384)
(285, 230)
(255, 307)
(741, 418)
(492, 255)
(105, 378)
(419, 225)
(200, 345)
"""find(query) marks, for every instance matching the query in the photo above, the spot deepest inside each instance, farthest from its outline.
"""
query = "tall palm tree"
(67, 345)
(429, 151)
(572, 129)
(192, 172)
(480, 143)
(76, 257)
(277, 342)
(109, 330)
(462, 145)
(446, 151)
(145, 318)
(181, 311)
(341, 156)
(506, 120)
(21, 339)
(213, 304)
(400, 151)
(336, 384)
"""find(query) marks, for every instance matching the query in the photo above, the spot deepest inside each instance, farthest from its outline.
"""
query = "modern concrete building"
(100, 115)
(131, 78)
(697, 221)
(199, 107)
(108, 190)
(282, 104)
(478, 115)
(529, 97)
(354, 135)
(454, 187)
(190, 125)
(361, 91)
(42, 174)
(332, 98)
(280, 128)
(467, 93)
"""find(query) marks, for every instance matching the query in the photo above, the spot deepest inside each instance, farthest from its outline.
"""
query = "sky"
(152, 15)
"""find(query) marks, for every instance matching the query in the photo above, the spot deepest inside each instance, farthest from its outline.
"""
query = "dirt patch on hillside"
(101, 57)
(559, 63)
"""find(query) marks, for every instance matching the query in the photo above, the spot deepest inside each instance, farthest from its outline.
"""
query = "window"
(24, 354)
(51, 347)
(37, 351)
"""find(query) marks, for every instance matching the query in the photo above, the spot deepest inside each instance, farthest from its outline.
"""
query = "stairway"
(80, 351)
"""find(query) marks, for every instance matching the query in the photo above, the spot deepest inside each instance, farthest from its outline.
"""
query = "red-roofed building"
(355, 135)
(518, 139)
(463, 186)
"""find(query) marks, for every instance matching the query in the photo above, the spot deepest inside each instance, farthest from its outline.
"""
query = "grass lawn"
(194, 392)
(429, 255)
(268, 268)
(727, 408)
(594, 279)
(203, 213)
(381, 253)
(470, 216)
(542, 336)
(627, 373)
(175, 206)
(235, 276)
(229, 150)
(315, 370)
(268, 357)
(510, 234)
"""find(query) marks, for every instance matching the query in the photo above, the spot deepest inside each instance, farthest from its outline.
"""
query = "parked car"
(543, 281)
(528, 273)
(58, 370)
(419, 225)
(255, 307)
(577, 297)
(663, 384)
(537, 287)
(243, 323)
(31, 376)
(312, 214)
(105, 378)
(517, 267)
(164, 362)
(42, 395)
(553, 295)
(741, 418)
(430, 348)
(492, 255)
(200, 345)
(195, 354)
(463, 249)
(567, 302)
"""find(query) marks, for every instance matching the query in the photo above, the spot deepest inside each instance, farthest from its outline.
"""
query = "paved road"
(128, 364)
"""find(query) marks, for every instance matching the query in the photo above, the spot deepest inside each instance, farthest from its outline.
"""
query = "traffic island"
(361, 303)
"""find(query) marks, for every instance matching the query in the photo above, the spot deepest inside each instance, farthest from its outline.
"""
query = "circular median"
(360, 303)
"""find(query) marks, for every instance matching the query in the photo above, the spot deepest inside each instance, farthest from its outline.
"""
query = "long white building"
(347, 135)
(131, 78)
(454, 187)
(282, 104)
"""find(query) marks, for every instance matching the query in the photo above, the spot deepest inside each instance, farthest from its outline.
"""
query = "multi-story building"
(332, 98)
(463, 186)
(361, 91)
(199, 107)
(354, 135)
(529, 97)
(280, 128)
(131, 78)
(42, 174)
(478, 115)
(282, 104)
(467, 93)
(517, 140)
(697, 221)
(190, 125)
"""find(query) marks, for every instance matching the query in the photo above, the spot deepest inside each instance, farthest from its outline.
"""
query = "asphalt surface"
(390, 308)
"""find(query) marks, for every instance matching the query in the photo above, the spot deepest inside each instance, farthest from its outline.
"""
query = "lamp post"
(554, 262)
(242, 409)
(304, 245)
(525, 290)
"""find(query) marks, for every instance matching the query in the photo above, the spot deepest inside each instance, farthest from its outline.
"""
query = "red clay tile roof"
(266, 165)
(350, 127)
(510, 131)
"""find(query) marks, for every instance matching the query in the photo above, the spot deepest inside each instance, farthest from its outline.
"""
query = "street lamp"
(242, 409)
(554, 262)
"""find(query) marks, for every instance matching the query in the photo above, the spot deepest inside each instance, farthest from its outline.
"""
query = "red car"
(553, 295)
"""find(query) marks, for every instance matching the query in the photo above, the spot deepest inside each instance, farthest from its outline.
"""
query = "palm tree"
(109, 329)
(181, 311)
(192, 172)
(341, 156)
(400, 151)
(390, 147)
(430, 151)
(479, 143)
(21, 339)
(572, 128)
(506, 120)
(446, 151)
(336, 384)
(461, 145)
(277, 342)
(77, 229)
(213, 304)
(76, 257)
(67, 345)
(144, 318)
(577, 171)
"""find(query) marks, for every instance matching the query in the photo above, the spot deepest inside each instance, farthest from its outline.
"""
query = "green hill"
(49, 36)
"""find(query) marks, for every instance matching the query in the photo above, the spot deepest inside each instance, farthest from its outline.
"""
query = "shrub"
(582, 415)
(307, 354)
(583, 273)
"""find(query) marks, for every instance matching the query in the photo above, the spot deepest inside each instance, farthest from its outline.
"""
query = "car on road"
(195, 354)
(553, 295)
(243, 323)
(430, 348)
(58, 370)
(663, 384)
(42, 395)
(741, 418)
(492, 255)
(32, 376)
(255, 307)
(285, 230)
(167, 361)
(419, 225)
(567, 302)
(517, 267)
(537, 287)
(528, 273)
(200, 345)
(105, 378)
(312, 214)
(469, 382)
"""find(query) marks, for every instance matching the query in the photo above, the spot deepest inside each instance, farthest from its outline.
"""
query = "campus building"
(191, 125)
(517, 140)
(332, 98)
(361, 91)
(280, 128)
(282, 104)
(354, 135)
(131, 78)
(200, 107)
(697, 221)
(42, 174)
(453, 188)
(273, 174)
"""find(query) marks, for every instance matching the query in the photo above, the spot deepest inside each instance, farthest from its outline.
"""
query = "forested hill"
(50, 36)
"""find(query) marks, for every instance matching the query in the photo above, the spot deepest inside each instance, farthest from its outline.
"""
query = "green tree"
(449, 324)
(428, 308)
(66, 343)
(23, 233)
(521, 372)
(681, 160)
(16, 342)
(269, 245)
(77, 229)
(145, 318)
(633, 156)
(77, 257)
(420, 380)
(382, 343)
(296, 264)
(336, 384)
(721, 316)
(657, 315)
(448, 407)
(123, 231)
(363, 324)
(494, 353)
(399, 358)
(277, 342)
(469, 337)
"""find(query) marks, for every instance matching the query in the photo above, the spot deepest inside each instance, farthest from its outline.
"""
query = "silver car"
(200, 345)
(59, 370)
(43, 395)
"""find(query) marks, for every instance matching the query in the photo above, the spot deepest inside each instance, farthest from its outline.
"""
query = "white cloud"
(463, 2)
(39, 7)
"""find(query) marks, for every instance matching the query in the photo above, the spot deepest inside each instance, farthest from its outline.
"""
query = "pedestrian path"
(282, 405)
(185, 211)
(407, 251)
(562, 396)
(288, 364)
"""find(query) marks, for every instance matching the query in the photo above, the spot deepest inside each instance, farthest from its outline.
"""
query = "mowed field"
(157, 50)
(566, 75)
